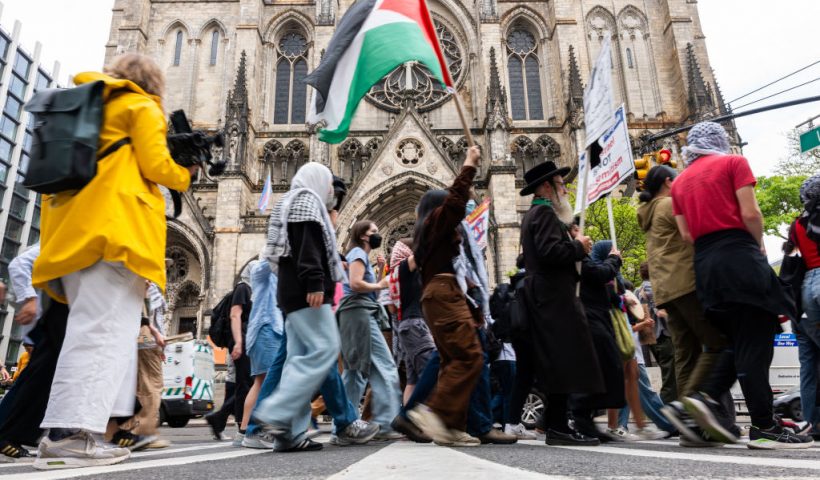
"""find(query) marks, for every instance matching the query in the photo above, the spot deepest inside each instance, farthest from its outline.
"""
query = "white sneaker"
(238, 439)
(621, 434)
(430, 423)
(78, 450)
(649, 432)
(520, 431)
(258, 441)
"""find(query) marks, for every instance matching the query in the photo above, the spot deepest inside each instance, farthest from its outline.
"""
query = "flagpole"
(582, 222)
(460, 108)
(611, 221)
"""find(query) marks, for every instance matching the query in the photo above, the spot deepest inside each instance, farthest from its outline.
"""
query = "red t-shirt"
(705, 193)
(808, 247)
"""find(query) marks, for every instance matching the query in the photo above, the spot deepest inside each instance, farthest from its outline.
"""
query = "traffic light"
(664, 157)
(642, 166)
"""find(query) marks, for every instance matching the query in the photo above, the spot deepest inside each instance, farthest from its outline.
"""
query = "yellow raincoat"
(120, 215)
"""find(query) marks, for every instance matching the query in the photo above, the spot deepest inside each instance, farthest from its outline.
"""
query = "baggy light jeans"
(383, 378)
(96, 375)
(312, 349)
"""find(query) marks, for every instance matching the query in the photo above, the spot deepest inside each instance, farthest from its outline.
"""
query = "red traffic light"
(664, 156)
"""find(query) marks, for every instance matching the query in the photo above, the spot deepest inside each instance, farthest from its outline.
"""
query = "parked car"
(533, 408)
(788, 405)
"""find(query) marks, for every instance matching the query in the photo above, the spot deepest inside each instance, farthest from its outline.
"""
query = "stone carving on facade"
(432, 168)
(488, 11)
(701, 103)
(237, 115)
(352, 159)
(387, 169)
(415, 82)
(632, 23)
(410, 152)
(575, 97)
(325, 13)
(601, 23)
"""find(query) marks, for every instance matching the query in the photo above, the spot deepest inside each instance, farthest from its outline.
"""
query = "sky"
(750, 43)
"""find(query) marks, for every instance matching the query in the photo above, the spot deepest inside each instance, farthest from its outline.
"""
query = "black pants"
(242, 366)
(751, 346)
(27, 405)
(227, 409)
(555, 411)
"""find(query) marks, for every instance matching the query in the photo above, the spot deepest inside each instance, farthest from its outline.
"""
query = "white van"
(188, 375)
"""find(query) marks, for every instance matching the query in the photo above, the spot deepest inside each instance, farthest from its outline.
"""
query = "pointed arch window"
(523, 69)
(290, 99)
(178, 48)
(214, 46)
(629, 62)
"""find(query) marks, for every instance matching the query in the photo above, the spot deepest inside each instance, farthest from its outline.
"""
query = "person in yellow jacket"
(98, 246)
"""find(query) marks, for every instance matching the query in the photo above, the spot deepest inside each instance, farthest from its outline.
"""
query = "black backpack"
(65, 138)
(220, 329)
(500, 303)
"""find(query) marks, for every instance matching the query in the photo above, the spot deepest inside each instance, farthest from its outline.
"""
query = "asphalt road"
(194, 455)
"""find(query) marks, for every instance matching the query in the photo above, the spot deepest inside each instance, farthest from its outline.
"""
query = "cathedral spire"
(237, 119)
(240, 86)
(496, 97)
(576, 88)
(721, 102)
(700, 101)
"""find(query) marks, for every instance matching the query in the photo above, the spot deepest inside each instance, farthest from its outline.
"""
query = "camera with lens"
(193, 147)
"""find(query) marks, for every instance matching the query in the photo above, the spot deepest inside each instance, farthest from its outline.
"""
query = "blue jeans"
(383, 378)
(504, 372)
(808, 344)
(651, 404)
(312, 350)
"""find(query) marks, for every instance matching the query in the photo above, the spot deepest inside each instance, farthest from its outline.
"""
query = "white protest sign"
(598, 106)
(616, 162)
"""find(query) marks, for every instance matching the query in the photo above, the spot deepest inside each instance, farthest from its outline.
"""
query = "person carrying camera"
(98, 246)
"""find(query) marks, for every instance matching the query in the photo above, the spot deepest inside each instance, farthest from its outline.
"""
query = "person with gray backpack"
(101, 239)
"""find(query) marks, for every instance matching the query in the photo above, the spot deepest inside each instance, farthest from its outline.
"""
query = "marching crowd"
(418, 336)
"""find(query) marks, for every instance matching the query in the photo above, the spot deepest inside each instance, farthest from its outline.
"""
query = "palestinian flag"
(373, 38)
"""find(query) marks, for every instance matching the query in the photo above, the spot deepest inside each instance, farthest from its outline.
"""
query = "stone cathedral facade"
(237, 66)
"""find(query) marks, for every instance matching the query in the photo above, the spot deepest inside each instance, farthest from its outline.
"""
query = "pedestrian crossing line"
(130, 466)
(412, 461)
(698, 457)
(740, 445)
(135, 455)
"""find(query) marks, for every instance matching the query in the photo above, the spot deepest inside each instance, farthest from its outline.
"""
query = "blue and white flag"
(264, 199)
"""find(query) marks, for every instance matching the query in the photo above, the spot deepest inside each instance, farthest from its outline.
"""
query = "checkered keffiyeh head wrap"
(705, 138)
(810, 190)
(310, 195)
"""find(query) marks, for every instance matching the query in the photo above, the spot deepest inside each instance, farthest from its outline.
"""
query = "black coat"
(565, 356)
(597, 305)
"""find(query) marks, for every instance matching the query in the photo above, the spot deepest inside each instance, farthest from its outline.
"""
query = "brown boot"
(498, 437)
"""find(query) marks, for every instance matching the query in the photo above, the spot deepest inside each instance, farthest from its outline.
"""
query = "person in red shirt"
(716, 209)
(802, 236)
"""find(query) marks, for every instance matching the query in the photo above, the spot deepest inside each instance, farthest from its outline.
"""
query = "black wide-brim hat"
(540, 174)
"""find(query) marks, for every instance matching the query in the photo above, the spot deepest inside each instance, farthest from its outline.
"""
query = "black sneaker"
(572, 438)
(710, 416)
(677, 415)
(304, 445)
(126, 439)
(13, 450)
(216, 429)
(777, 438)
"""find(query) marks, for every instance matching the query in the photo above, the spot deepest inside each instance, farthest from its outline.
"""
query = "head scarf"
(705, 138)
(401, 252)
(309, 199)
(810, 190)
(600, 250)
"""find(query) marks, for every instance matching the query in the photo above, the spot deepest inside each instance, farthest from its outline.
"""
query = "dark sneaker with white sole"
(14, 450)
(303, 445)
(131, 441)
(710, 417)
(777, 438)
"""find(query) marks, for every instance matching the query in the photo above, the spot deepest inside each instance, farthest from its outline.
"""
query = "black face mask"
(375, 241)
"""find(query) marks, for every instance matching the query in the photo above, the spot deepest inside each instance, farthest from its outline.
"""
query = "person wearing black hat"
(561, 349)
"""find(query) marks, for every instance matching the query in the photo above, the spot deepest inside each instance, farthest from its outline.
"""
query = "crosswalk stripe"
(411, 461)
(745, 460)
(129, 466)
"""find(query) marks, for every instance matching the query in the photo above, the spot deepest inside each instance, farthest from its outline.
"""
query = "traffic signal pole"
(732, 116)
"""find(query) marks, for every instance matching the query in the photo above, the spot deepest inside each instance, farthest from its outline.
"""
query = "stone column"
(501, 188)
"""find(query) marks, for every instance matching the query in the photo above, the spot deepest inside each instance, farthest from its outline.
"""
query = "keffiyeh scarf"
(705, 138)
(401, 252)
(300, 205)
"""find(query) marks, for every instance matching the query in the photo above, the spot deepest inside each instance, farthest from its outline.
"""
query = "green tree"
(630, 238)
(779, 199)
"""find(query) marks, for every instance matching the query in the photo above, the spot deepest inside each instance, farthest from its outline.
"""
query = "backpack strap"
(114, 147)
